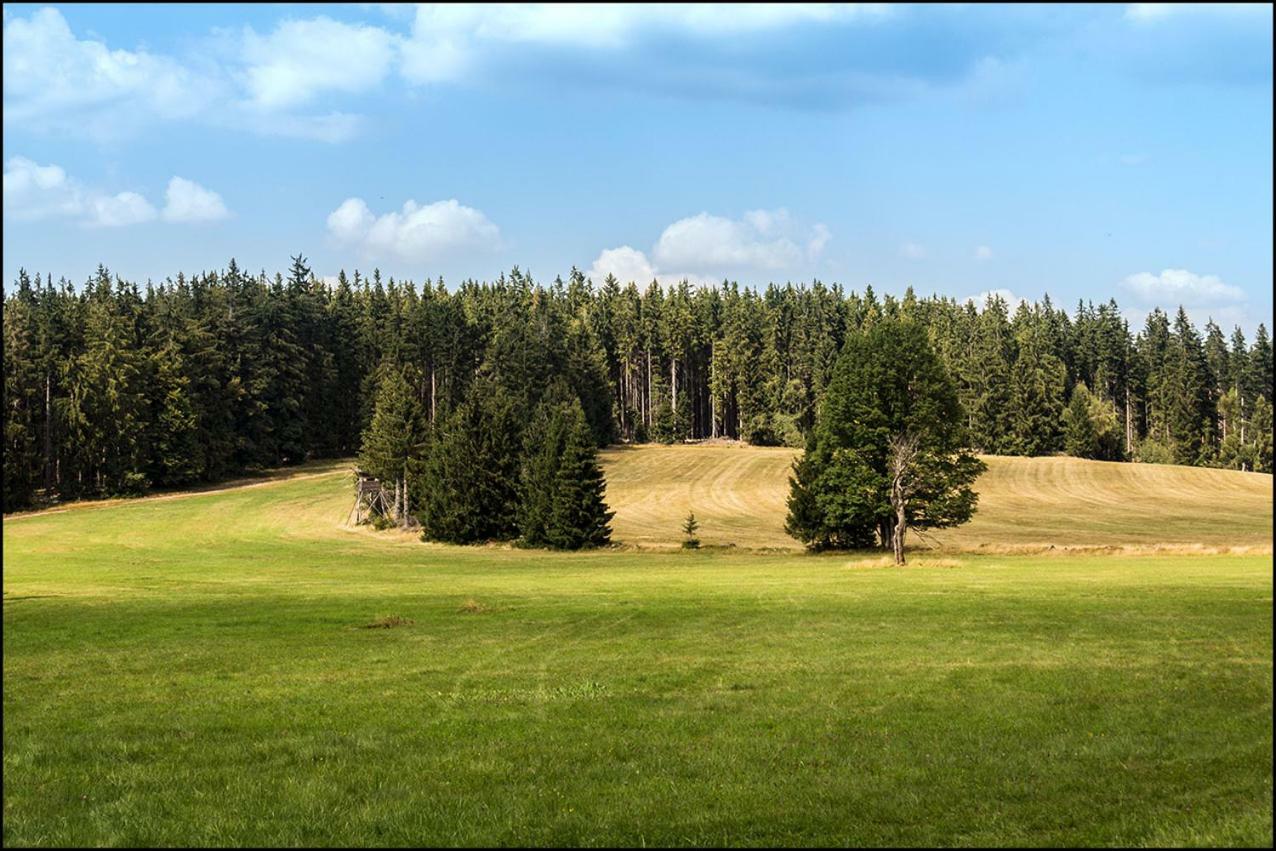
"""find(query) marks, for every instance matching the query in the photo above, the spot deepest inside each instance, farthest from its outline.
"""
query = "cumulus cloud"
(294, 63)
(55, 80)
(415, 233)
(1179, 286)
(1202, 296)
(117, 211)
(705, 247)
(33, 191)
(761, 241)
(626, 263)
(50, 76)
(981, 300)
(187, 201)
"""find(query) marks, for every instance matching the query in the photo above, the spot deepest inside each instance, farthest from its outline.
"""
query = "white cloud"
(1012, 301)
(1145, 12)
(34, 191)
(446, 38)
(763, 240)
(54, 81)
(705, 248)
(115, 211)
(416, 233)
(1179, 286)
(302, 59)
(626, 263)
(983, 252)
(912, 250)
(50, 77)
(187, 201)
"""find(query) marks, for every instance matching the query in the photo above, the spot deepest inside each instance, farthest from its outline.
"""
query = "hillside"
(234, 667)
(738, 493)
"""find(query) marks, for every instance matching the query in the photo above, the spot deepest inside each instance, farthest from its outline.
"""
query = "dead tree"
(903, 458)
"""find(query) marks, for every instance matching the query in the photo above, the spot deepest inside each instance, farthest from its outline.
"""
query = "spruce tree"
(578, 516)
(889, 388)
(542, 456)
(689, 528)
(469, 490)
(1036, 399)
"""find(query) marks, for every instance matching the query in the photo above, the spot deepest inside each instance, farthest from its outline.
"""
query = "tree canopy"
(888, 450)
(112, 386)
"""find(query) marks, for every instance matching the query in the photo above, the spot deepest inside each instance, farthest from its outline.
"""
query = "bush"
(787, 432)
(760, 430)
(133, 484)
(1155, 452)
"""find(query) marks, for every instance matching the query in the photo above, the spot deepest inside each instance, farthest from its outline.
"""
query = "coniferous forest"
(113, 387)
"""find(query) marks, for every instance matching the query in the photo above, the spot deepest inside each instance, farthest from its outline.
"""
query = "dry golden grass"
(1051, 506)
(1026, 505)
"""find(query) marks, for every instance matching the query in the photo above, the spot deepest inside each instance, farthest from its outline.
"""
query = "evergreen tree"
(578, 516)
(1262, 430)
(470, 479)
(888, 389)
(542, 456)
(1090, 427)
(395, 437)
(1036, 398)
(689, 528)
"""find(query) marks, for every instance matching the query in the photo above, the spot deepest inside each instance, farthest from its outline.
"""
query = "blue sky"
(1083, 151)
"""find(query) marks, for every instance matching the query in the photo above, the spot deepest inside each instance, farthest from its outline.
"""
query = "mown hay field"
(738, 494)
(235, 667)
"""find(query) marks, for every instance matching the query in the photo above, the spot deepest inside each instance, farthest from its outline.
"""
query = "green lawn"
(197, 671)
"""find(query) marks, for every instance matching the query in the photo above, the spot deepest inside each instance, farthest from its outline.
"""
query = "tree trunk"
(673, 383)
(48, 433)
(903, 454)
(403, 510)
(648, 404)
(897, 537)
(1129, 421)
(713, 396)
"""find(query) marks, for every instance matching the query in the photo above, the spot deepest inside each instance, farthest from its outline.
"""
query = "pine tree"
(578, 516)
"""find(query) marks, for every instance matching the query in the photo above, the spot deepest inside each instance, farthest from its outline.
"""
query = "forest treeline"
(113, 387)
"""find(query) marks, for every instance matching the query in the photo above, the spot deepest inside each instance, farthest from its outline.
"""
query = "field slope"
(738, 494)
(235, 667)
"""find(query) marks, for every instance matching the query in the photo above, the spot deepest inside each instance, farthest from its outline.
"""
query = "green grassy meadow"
(205, 669)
